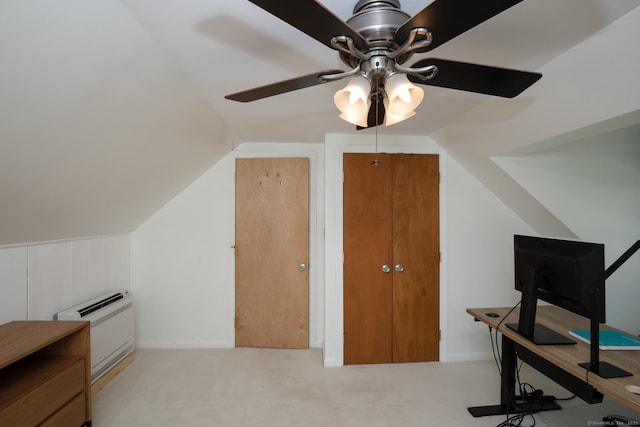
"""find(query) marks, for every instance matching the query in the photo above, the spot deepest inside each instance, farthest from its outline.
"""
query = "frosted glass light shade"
(353, 101)
(390, 119)
(403, 96)
(356, 120)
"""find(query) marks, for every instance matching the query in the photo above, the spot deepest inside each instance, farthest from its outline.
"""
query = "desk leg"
(508, 380)
(509, 402)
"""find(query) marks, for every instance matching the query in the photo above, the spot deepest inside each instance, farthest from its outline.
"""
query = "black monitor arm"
(604, 369)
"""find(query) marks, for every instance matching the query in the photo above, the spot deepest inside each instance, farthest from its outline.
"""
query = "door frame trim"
(335, 146)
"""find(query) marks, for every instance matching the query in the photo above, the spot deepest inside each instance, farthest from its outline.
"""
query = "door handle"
(386, 268)
(302, 267)
(399, 268)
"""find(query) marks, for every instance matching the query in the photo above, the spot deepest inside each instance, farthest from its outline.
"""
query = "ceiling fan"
(377, 41)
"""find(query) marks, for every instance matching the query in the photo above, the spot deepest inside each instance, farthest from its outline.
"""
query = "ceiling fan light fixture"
(353, 101)
(356, 120)
(391, 119)
(402, 96)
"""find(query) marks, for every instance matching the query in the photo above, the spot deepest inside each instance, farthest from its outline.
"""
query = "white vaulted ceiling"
(109, 108)
(227, 47)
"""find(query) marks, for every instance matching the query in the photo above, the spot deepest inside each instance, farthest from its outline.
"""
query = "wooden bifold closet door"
(391, 258)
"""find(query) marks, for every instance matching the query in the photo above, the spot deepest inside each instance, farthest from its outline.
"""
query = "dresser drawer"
(70, 415)
(39, 386)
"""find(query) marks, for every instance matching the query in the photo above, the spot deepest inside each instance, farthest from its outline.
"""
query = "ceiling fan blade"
(281, 87)
(313, 19)
(376, 115)
(447, 19)
(477, 78)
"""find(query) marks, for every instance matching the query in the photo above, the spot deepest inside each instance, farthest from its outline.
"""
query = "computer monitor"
(566, 273)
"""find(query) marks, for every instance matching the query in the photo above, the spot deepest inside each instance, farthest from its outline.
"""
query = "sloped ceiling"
(586, 169)
(589, 90)
(98, 126)
(109, 108)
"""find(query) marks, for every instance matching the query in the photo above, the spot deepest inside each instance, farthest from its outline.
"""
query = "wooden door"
(272, 245)
(367, 247)
(416, 246)
(391, 218)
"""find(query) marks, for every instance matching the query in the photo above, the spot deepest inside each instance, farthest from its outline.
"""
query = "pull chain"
(376, 161)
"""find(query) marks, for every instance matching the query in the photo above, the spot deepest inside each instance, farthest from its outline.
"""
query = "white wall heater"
(112, 328)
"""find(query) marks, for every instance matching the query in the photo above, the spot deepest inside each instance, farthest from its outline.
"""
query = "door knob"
(302, 267)
(386, 268)
(399, 268)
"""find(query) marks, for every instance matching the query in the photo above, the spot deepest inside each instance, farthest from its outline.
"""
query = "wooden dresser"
(45, 374)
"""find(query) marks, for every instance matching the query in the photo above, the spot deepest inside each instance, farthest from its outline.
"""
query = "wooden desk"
(565, 358)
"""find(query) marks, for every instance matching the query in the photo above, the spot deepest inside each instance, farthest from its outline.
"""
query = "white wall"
(184, 263)
(184, 266)
(592, 185)
(481, 230)
(38, 280)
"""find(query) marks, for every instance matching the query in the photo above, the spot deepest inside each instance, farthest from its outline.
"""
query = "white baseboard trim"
(469, 357)
(181, 345)
(331, 363)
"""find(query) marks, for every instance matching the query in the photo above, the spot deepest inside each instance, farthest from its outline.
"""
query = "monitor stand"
(526, 325)
(605, 370)
(543, 335)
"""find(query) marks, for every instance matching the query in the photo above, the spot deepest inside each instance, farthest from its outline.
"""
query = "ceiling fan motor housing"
(377, 21)
(366, 4)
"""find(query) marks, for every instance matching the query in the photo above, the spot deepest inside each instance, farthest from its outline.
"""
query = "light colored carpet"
(265, 387)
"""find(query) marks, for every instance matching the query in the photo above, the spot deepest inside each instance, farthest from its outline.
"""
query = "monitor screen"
(566, 271)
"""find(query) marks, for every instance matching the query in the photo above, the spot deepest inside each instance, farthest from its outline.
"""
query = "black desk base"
(512, 404)
(513, 409)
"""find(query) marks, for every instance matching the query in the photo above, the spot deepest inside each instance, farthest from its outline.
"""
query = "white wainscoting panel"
(13, 284)
(99, 265)
(49, 285)
(39, 280)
